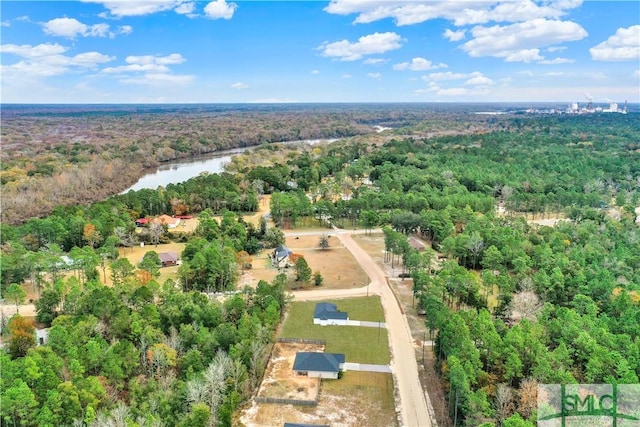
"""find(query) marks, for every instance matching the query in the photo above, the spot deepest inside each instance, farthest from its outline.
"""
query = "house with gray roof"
(327, 313)
(280, 257)
(318, 365)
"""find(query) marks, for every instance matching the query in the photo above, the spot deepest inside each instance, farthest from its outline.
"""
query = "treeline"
(139, 355)
(567, 311)
(67, 155)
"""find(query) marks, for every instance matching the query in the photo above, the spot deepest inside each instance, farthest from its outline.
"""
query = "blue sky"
(180, 51)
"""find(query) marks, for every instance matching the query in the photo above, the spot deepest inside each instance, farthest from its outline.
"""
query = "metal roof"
(327, 310)
(318, 362)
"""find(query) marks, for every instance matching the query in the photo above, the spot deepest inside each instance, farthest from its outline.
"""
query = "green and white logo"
(569, 405)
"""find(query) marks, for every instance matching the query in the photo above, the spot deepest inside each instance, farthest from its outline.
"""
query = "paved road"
(413, 404)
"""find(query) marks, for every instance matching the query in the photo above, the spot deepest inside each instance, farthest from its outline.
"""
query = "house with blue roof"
(318, 365)
(327, 313)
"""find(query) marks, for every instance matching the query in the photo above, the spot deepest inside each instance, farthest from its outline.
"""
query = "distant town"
(576, 108)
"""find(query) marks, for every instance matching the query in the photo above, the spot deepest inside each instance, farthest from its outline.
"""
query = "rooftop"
(318, 362)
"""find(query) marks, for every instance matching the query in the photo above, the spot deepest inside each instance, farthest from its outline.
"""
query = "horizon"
(315, 52)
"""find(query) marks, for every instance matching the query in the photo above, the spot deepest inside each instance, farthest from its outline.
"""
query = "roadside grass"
(360, 389)
(359, 344)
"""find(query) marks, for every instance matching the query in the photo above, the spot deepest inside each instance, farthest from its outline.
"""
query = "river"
(181, 170)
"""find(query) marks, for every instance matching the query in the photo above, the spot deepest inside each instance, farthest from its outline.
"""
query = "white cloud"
(174, 58)
(521, 42)
(372, 44)
(146, 63)
(374, 75)
(65, 27)
(150, 70)
(624, 45)
(448, 75)
(479, 81)
(462, 12)
(134, 68)
(71, 28)
(45, 60)
(315, 72)
(5, 23)
(454, 36)
(90, 59)
(524, 55)
(120, 8)
(557, 60)
(159, 79)
(28, 51)
(185, 8)
(239, 85)
(553, 49)
(418, 64)
(220, 9)
(375, 61)
(346, 76)
(636, 73)
(125, 29)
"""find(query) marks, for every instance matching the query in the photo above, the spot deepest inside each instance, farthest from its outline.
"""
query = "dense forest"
(510, 303)
(78, 154)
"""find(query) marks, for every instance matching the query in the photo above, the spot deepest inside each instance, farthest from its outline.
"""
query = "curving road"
(413, 404)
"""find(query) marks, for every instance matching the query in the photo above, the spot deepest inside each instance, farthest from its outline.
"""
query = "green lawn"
(359, 344)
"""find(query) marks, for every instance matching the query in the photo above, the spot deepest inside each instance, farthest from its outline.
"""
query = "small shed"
(318, 365)
(327, 313)
(168, 259)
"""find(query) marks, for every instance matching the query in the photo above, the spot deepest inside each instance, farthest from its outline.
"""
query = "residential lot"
(358, 399)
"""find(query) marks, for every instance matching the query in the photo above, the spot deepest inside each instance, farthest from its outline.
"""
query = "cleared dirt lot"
(355, 400)
(279, 379)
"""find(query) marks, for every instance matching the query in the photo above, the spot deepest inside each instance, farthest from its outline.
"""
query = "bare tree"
(156, 230)
(503, 402)
(525, 304)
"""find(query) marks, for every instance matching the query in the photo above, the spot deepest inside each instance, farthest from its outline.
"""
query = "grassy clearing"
(359, 344)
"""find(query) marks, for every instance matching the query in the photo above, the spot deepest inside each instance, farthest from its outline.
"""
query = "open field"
(336, 264)
(279, 379)
(359, 344)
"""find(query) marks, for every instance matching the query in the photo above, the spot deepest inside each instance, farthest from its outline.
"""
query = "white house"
(318, 365)
(327, 313)
(280, 257)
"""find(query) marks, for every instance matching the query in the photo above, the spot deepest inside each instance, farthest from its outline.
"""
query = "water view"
(181, 170)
